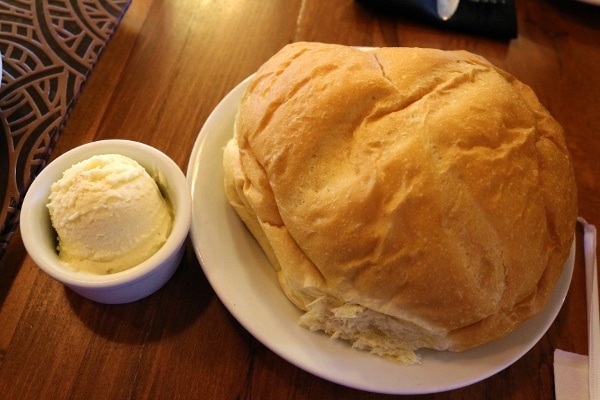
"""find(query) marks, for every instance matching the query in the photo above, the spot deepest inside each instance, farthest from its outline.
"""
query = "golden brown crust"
(422, 184)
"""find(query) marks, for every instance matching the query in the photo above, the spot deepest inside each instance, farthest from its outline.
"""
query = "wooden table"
(166, 68)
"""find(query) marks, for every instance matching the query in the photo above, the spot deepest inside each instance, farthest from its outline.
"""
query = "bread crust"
(425, 185)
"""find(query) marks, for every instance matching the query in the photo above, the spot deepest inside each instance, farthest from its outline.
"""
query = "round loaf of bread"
(407, 198)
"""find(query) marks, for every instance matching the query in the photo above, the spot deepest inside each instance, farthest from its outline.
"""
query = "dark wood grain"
(166, 68)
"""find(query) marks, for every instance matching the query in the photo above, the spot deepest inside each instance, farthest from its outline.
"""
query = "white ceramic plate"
(245, 282)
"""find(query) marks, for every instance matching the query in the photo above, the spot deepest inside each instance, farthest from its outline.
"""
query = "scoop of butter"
(109, 215)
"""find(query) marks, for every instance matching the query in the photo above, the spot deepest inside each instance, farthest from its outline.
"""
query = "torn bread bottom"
(368, 330)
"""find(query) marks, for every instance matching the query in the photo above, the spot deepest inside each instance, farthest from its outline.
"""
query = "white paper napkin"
(570, 376)
(576, 376)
